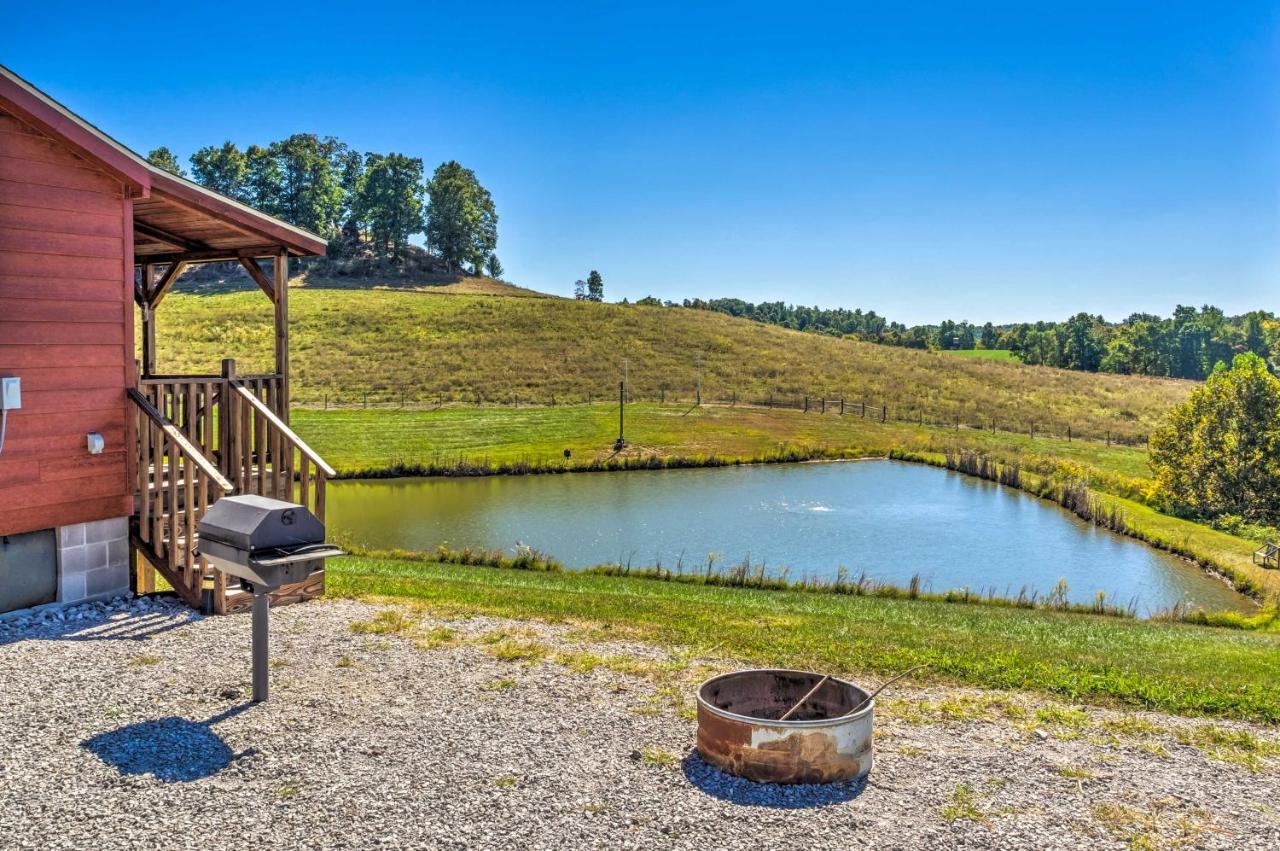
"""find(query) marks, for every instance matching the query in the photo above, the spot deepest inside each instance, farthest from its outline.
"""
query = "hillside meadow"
(462, 347)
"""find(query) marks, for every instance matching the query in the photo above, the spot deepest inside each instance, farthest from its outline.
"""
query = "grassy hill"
(488, 341)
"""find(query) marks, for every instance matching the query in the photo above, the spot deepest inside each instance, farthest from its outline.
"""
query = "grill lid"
(251, 522)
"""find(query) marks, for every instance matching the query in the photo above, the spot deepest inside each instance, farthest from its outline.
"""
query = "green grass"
(1173, 667)
(986, 354)
(503, 348)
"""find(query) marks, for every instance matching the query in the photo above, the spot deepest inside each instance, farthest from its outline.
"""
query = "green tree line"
(355, 200)
(1188, 344)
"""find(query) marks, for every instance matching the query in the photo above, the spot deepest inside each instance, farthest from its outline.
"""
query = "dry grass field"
(446, 343)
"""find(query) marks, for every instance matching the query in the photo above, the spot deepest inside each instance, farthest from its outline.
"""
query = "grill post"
(261, 613)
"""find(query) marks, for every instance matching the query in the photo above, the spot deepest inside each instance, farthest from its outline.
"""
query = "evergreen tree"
(163, 158)
(494, 267)
(223, 169)
(462, 222)
(595, 286)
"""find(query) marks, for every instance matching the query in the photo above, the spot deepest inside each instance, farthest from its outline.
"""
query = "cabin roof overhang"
(174, 218)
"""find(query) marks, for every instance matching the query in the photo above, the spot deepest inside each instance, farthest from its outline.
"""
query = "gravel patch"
(126, 725)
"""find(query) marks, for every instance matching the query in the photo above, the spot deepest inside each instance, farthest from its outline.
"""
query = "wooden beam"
(166, 282)
(148, 323)
(281, 274)
(255, 271)
(160, 235)
(212, 255)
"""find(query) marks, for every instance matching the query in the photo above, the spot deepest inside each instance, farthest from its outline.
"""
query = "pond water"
(886, 519)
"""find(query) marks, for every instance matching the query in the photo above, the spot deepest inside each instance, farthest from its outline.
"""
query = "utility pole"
(622, 399)
(699, 367)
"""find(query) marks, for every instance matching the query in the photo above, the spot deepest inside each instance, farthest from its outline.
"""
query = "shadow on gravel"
(173, 750)
(133, 627)
(737, 790)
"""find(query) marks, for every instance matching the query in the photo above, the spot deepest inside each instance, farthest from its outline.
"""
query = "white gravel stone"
(129, 729)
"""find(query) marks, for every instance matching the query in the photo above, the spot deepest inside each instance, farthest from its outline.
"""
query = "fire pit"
(823, 741)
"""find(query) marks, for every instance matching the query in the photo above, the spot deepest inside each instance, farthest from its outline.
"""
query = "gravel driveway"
(127, 727)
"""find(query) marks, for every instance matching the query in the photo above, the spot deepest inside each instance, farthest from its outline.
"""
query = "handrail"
(188, 448)
(277, 423)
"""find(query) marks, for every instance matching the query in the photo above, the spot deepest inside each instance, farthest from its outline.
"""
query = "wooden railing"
(266, 456)
(1268, 556)
(193, 402)
(176, 482)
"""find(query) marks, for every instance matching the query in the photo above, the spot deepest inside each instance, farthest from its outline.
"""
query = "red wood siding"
(66, 315)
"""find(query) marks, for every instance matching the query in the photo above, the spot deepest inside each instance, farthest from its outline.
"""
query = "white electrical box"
(96, 443)
(10, 394)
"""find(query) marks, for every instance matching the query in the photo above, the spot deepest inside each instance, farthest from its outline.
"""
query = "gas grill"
(266, 543)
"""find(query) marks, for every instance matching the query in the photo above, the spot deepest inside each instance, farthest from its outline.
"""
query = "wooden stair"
(197, 442)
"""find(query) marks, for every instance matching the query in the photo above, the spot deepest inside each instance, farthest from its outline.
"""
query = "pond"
(887, 519)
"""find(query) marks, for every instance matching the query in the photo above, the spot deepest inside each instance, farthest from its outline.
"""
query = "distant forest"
(1188, 344)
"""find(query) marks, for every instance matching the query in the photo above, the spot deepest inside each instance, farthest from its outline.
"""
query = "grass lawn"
(1173, 667)
(358, 439)
(986, 354)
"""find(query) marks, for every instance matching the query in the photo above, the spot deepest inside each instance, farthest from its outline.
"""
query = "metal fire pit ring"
(821, 743)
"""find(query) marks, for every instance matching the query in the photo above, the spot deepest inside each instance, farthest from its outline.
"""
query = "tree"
(462, 223)
(1081, 347)
(223, 169)
(990, 339)
(494, 267)
(389, 201)
(310, 190)
(163, 158)
(1219, 452)
(580, 290)
(262, 180)
(595, 286)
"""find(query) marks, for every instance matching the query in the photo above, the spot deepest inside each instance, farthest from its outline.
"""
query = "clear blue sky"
(963, 160)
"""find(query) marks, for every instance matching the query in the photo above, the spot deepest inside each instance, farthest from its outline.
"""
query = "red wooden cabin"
(107, 465)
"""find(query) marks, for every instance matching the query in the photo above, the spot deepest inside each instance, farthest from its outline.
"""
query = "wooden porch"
(198, 438)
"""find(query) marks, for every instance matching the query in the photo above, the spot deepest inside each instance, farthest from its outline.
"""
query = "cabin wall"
(66, 317)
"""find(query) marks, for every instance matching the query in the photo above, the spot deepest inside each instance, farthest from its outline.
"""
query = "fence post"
(733, 403)
(1068, 433)
(698, 398)
(1108, 437)
(824, 404)
(862, 409)
(366, 399)
(842, 406)
(884, 413)
(662, 395)
(770, 400)
(1033, 431)
(326, 401)
(806, 404)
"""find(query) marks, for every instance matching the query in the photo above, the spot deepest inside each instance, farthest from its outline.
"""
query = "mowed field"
(499, 349)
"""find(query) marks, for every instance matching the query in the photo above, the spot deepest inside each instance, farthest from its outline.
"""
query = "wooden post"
(622, 406)
(806, 404)
(884, 413)
(227, 420)
(282, 331)
(148, 322)
(842, 406)
(1068, 433)
(824, 404)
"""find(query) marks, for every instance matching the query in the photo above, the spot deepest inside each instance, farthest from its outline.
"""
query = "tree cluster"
(353, 199)
(1186, 345)
(592, 289)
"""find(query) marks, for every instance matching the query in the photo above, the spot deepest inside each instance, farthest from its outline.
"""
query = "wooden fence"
(884, 411)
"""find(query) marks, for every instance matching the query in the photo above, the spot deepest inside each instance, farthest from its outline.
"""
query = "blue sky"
(928, 161)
